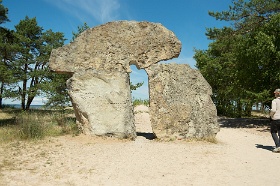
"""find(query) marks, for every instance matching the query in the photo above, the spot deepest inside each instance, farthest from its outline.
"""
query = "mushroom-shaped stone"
(100, 60)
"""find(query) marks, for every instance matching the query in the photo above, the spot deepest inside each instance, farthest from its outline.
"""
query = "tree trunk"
(239, 108)
(1, 94)
(23, 94)
(24, 88)
(29, 101)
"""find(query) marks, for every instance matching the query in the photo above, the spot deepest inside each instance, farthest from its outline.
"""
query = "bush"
(30, 126)
(145, 102)
(68, 125)
(36, 124)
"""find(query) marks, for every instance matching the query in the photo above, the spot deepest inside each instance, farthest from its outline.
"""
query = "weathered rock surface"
(180, 102)
(115, 46)
(102, 103)
(99, 59)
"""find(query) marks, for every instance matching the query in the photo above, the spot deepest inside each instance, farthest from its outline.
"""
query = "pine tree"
(5, 52)
(3, 13)
(242, 63)
(30, 62)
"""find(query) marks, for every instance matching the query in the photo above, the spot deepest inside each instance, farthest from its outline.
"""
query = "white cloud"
(101, 10)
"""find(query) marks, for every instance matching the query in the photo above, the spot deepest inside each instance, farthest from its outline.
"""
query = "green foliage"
(55, 88)
(27, 52)
(248, 16)
(135, 86)
(6, 56)
(242, 62)
(57, 91)
(81, 29)
(6, 40)
(3, 14)
(145, 102)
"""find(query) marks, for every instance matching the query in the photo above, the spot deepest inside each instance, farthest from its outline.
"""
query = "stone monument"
(100, 59)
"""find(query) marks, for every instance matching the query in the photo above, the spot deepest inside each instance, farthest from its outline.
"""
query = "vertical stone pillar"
(180, 103)
(102, 103)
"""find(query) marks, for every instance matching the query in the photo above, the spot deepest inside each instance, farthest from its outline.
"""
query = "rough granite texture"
(115, 46)
(100, 60)
(180, 103)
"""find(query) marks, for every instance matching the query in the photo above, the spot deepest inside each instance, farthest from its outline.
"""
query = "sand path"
(240, 157)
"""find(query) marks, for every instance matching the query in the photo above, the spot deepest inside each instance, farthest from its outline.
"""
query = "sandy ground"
(241, 156)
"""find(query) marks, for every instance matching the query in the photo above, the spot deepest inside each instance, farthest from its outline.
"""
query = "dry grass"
(5, 115)
(35, 124)
(187, 140)
(260, 114)
(9, 133)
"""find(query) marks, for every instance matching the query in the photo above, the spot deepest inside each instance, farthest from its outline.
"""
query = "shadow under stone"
(149, 136)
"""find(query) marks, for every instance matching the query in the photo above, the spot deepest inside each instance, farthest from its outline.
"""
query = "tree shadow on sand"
(259, 124)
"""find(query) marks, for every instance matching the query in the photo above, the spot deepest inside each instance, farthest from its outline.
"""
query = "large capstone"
(115, 46)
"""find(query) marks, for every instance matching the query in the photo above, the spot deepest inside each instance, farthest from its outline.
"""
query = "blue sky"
(188, 19)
